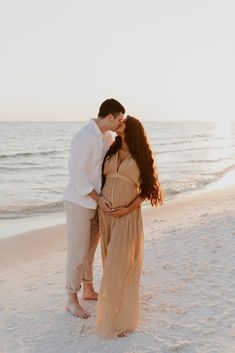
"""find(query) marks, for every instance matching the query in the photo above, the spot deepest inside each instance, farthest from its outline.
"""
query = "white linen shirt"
(88, 148)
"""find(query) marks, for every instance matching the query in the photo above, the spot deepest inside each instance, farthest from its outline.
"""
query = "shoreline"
(46, 240)
(18, 226)
(41, 221)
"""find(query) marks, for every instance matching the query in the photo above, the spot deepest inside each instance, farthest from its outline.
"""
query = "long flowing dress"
(122, 251)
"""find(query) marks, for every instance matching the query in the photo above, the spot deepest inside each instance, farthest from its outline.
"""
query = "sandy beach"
(187, 285)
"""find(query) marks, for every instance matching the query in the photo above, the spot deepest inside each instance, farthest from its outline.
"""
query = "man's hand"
(104, 204)
(118, 212)
(101, 201)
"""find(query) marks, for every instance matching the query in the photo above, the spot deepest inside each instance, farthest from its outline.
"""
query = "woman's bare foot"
(89, 292)
(75, 308)
(124, 333)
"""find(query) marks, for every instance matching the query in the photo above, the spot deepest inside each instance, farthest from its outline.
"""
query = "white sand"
(187, 286)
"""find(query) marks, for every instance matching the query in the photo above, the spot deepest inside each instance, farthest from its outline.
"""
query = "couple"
(117, 176)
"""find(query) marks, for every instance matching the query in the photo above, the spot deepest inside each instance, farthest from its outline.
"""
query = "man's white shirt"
(88, 148)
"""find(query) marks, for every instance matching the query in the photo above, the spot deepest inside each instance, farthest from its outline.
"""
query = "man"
(82, 195)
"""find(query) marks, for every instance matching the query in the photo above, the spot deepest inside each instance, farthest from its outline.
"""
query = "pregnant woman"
(130, 177)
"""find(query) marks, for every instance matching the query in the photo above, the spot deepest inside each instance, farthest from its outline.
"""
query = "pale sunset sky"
(163, 59)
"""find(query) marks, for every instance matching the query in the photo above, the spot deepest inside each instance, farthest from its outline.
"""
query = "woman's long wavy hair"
(136, 140)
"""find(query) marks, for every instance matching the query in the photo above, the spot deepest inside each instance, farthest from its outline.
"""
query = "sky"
(162, 59)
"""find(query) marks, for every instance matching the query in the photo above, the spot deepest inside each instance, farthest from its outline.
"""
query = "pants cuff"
(72, 290)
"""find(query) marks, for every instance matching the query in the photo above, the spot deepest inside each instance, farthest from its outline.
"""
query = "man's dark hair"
(111, 106)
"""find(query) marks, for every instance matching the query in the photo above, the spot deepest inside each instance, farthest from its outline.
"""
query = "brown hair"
(137, 142)
(110, 106)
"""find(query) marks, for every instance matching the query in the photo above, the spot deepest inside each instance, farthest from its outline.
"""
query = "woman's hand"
(119, 212)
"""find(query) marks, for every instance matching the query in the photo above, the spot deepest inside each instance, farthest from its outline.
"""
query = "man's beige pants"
(83, 237)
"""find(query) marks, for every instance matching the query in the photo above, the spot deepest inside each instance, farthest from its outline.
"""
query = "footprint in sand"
(84, 330)
(149, 330)
(11, 327)
(29, 289)
(167, 267)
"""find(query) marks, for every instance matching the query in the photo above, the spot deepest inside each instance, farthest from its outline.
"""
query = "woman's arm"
(123, 211)
(134, 204)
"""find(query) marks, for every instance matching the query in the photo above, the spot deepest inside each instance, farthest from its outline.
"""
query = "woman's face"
(121, 128)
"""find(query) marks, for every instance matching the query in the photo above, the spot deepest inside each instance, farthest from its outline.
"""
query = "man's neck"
(101, 125)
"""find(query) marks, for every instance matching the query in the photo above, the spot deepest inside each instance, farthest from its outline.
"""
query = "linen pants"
(82, 241)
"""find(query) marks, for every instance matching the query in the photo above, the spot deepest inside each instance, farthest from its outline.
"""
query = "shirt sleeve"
(81, 150)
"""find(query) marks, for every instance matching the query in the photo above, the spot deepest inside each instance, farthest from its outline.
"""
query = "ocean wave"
(200, 136)
(176, 137)
(221, 173)
(19, 211)
(210, 160)
(172, 143)
(30, 168)
(205, 179)
(171, 191)
(180, 189)
(196, 149)
(29, 154)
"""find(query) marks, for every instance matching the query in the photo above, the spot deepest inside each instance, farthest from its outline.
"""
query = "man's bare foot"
(89, 292)
(77, 310)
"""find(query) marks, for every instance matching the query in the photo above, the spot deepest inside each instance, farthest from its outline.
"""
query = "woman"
(129, 178)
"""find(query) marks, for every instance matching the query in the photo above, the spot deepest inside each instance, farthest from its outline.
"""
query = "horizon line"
(82, 121)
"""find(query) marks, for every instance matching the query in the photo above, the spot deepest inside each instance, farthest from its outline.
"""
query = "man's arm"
(80, 152)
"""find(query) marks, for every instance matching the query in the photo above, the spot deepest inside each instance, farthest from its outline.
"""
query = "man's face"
(120, 130)
(116, 122)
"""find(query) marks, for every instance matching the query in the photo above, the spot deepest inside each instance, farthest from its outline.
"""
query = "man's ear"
(109, 117)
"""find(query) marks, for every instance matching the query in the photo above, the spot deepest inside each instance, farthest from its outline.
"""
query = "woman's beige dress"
(122, 251)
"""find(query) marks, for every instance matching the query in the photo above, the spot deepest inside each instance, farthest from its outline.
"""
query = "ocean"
(34, 156)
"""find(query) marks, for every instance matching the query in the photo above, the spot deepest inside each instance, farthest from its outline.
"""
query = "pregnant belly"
(119, 192)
